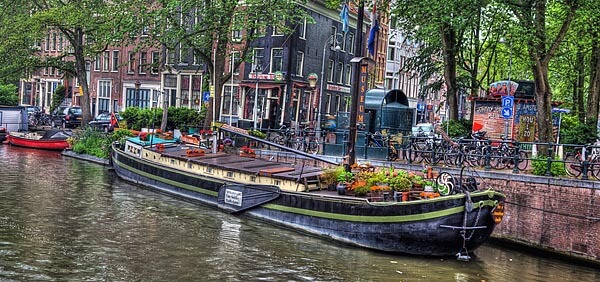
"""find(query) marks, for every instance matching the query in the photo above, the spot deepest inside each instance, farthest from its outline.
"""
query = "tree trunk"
(594, 89)
(449, 50)
(579, 70)
(214, 113)
(86, 114)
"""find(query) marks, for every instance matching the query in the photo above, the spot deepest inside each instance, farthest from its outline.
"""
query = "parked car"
(106, 121)
(66, 117)
(423, 130)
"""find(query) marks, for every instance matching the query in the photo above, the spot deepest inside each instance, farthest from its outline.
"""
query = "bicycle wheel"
(415, 154)
(572, 165)
(312, 147)
(523, 161)
(298, 144)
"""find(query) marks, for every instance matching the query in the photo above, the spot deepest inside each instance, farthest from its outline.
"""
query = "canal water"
(62, 219)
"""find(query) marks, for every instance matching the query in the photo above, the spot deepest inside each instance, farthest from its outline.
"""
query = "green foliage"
(181, 118)
(257, 133)
(95, 143)
(400, 183)
(8, 95)
(362, 190)
(59, 96)
(92, 142)
(540, 165)
(345, 177)
(460, 128)
(574, 132)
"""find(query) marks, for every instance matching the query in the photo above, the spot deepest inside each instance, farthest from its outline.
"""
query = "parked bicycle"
(574, 161)
(307, 141)
(379, 140)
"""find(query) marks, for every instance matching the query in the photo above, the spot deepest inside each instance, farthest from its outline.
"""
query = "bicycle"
(378, 140)
(307, 141)
(573, 162)
(503, 156)
(286, 137)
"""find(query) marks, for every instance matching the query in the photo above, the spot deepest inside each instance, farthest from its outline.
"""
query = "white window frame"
(273, 63)
(299, 63)
(302, 29)
(115, 60)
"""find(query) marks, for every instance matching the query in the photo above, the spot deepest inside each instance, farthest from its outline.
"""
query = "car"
(423, 130)
(66, 117)
(106, 121)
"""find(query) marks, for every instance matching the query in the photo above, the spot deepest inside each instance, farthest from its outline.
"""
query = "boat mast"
(358, 47)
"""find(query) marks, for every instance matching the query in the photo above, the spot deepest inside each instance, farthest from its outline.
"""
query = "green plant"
(58, 97)
(346, 177)
(377, 177)
(330, 176)
(257, 133)
(460, 128)
(400, 183)
(540, 166)
(417, 180)
(362, 190)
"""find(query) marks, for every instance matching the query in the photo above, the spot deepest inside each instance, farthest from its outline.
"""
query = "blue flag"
(374, 31)
(344, 18)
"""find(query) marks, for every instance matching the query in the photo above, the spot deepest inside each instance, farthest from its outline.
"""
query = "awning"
(261, 85)
(374, 98)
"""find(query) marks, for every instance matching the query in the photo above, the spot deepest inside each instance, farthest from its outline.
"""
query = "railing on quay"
(576, 160)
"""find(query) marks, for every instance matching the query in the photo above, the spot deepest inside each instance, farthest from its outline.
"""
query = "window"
(391, 53)
(279, 26)
(350, 43)
(330, 71)
(340, 72)
(333, 36)
(236, 33)
(143, 62)
(106, 61)
(170, 57)
(54, 42)
(236, 60)
(276, 59)
(184, 51)
(259, 57)
(348, 74)
(155, 62)
(131, 62)
(115, 60)
(60, 43)
(47, 45)
(230, 100)
(97, 63)
(299, 63)
(104, 89)
(302, 29)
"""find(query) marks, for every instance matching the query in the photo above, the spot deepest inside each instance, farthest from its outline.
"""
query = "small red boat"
(44, 140)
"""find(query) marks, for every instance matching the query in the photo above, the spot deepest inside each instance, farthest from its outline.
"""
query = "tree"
(542, 43)
(8, 95)
(88, 27)
(213, 30)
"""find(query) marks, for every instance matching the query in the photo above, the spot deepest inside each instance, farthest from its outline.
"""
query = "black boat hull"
(417, 227)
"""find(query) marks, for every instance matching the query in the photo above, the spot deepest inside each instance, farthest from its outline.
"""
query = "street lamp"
(337, 48)
(137, 92)
(257, 69)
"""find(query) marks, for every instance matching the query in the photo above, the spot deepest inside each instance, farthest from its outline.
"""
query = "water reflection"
(63, 219)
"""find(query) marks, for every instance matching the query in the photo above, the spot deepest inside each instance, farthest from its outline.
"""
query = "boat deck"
(239, 163)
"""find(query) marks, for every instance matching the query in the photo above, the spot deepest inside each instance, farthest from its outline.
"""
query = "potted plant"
(329, 177)
(401, 185)
(344, 179)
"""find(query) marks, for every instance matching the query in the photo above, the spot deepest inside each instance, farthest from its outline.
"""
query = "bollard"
(549, 165)
(584, 170)
(488, 151)
(516, 159)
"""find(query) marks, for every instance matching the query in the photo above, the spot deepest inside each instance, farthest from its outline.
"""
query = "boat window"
(253, 178)
(229, 174)
(172, 162)
(209, 170)
(190, 165)
(276, 182)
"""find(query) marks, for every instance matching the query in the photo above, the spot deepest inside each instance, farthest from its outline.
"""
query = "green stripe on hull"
(379, 219)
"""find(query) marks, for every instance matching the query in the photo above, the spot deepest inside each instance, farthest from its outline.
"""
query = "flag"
(344, 17)
(374, 30)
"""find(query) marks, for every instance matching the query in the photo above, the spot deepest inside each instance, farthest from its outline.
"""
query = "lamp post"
(312, 83)
(257, 69)
(337, 48)
(502, 40)
(137, 92)
(231, 89)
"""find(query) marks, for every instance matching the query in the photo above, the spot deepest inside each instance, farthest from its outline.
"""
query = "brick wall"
(560, 215)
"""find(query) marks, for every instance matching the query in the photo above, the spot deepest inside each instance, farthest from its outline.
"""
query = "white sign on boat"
(233, 197)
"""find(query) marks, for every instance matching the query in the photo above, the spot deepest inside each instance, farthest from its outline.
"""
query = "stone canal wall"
(559, 215)
(554, 214)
